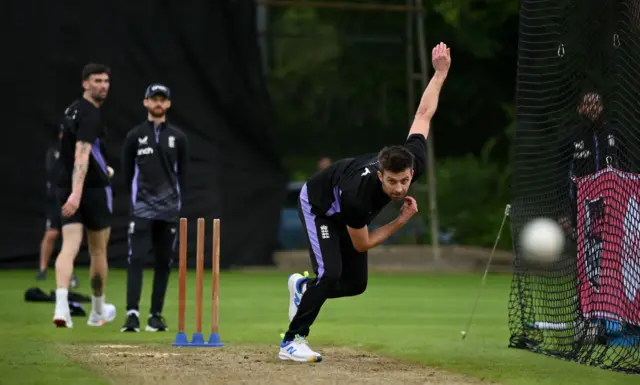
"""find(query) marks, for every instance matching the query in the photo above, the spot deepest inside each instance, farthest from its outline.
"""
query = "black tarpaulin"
(205, 51)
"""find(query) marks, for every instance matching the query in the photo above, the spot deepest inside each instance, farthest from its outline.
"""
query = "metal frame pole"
(409, 44)
(431, 176)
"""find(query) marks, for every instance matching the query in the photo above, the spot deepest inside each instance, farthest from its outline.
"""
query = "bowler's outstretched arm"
(441, 59)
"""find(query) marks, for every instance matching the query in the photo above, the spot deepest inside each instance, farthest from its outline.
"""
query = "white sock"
(62, 299)
(137, 313)
(97, 304)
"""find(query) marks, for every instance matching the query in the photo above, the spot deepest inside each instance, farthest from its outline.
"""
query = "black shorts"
(53, 213)
(331, 249)
(95, 208)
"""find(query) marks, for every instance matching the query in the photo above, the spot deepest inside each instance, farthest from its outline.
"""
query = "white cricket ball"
(463, 333)
(110, 172)
(542, 240)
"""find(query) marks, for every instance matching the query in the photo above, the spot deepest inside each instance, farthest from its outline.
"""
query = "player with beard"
(154, 163)
(337, 204)
(84, 194)
(593, 143)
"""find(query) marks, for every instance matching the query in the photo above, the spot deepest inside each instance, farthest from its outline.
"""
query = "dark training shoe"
(156, 324)
(132, 324)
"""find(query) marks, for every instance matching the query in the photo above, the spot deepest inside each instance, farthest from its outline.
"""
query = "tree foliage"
(338, 81)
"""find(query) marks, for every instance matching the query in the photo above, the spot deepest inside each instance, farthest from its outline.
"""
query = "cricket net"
(576, 161)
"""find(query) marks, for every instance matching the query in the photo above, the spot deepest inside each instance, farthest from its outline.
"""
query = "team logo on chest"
(172, 141)
(324, 232)
(143, 146)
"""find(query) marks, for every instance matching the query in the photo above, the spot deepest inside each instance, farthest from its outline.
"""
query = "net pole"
(431, 175)
(411, 94)
(507, 212)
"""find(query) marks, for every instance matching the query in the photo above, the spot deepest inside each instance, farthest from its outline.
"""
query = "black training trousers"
(159, 237)
(340, 270)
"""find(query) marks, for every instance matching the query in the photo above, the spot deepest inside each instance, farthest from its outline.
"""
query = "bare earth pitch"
(144, 365)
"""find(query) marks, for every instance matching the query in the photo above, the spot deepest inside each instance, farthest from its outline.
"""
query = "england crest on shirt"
(172, 141)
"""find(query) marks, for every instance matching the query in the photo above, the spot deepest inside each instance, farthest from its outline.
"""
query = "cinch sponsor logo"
(145, 151)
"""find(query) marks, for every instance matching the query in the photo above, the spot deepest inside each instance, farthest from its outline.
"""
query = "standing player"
(154, 160)
(338, 203)
(52, 224)
(84, 192)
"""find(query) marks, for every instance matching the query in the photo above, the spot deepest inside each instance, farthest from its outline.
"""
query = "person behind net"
(337, 204)
(84, 193)
(52, 222)
(593, 144)
(154, 160)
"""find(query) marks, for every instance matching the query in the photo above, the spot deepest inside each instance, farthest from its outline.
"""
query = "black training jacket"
(154, 163)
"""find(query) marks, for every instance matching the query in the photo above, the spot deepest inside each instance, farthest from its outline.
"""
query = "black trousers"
(340, 270)
(160, 238)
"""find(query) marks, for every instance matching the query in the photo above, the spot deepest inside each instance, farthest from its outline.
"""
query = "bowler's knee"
(330, 280)
(358, 287)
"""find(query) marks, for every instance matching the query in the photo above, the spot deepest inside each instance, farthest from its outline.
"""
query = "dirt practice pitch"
(141, 365)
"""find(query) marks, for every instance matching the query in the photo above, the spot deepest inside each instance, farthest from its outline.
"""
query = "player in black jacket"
(592, 144)
(338, 203)
(154, 161)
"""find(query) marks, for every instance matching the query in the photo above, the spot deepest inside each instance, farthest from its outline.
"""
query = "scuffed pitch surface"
(235, 365)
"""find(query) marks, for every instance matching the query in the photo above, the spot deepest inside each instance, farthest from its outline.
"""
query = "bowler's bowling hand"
(408, 210)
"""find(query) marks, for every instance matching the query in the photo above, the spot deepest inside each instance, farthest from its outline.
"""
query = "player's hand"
(408, 210)
(72, 204)
(441, 58)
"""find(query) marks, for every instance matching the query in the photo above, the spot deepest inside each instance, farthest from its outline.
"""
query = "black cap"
(157, 89)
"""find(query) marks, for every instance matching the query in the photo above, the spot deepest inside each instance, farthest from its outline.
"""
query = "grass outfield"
(411, 317)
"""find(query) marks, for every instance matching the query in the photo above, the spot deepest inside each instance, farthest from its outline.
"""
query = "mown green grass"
(412, 316)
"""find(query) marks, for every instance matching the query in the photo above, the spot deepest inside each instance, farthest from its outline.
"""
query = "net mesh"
(576, 161)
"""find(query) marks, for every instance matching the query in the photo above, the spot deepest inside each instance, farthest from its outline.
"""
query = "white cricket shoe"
(62, 317)
(295, 292)
(298, 350)
(108, 315)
